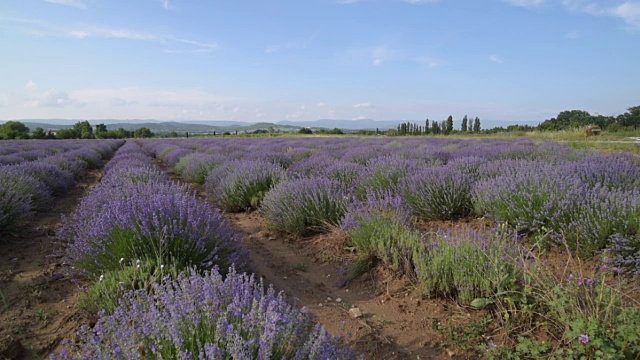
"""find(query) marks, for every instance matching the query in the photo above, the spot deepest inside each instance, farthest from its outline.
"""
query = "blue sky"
(509, 60)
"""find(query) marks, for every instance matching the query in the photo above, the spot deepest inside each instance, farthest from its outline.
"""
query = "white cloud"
(363, 106)
(5, 101)
(31, 86)
(320, 104)
(111, 33)
(73, 3)
(259, 113)
(629, 12)
(382, 54)
(236, 110)
(495, 59)
(292, 45)
(347, 2)
(359, 118)
(198, 43)
(165, 4)
(51, 98)
(525, 3)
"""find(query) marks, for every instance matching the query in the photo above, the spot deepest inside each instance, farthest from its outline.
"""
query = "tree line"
(572, 119)
(433, 127)
(80, 130)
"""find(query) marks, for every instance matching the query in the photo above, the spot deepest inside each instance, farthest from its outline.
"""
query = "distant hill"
(200, 127)
(344, 124)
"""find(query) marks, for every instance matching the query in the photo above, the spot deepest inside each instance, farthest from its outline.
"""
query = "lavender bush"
(528, 199)
(22, 182)
(438, 193)
(623, 252)
(242, 184)
(297, 206)
(57, 180)
(15, 205)
(207, 317)
(466, 264)
(378, 229)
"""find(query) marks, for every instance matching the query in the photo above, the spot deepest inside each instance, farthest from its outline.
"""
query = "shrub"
(439, 193)
(466, 265)
(104, 296)
(592, 218)
(22, 182)
(383, 174)
(195, 167)
(378, 229)
(15, 205)
(297, 206)
(242, 184)
(207, 317)
(57, 180)
(623, 252)
(528, 199)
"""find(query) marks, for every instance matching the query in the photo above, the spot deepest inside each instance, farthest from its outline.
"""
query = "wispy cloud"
(628, 11)
(31, 86)
(165, 4)
(347, 2)
(364, 106)
(51, 98)
(382, 54)
(495, 59)
(525, 3)
(431, 62)
(292, 45)
(73, 3)
(174, 45)
(111, 33)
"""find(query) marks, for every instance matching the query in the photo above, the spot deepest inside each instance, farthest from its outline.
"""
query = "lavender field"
(469, 222)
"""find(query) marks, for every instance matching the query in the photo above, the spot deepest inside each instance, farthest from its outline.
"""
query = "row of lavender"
(166, 283)
(16, 152)
(46, 169)
(587, 200)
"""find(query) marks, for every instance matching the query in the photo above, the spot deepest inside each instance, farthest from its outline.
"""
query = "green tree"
(39, 133)
(142, 132)
(101, 128)
(465, 121)
(66, 134)
(476, 125)
(83, 130)
(14, 130)
(435, 127)
(449, 125)
(305, 131)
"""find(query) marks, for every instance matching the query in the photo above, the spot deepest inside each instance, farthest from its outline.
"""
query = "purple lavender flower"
(584, 338)
(232, 317)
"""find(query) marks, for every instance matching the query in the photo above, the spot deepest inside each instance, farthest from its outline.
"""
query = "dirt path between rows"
(37, 299)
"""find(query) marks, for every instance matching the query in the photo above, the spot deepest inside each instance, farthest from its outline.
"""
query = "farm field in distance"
(400, 248)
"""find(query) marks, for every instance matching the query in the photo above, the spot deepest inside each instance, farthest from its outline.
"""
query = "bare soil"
(37, 297)
(397, 322)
